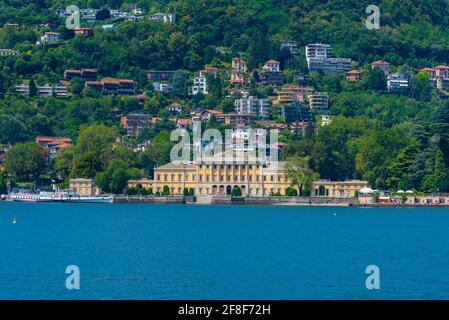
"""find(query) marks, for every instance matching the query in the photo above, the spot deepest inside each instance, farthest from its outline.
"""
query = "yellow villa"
(217, 179)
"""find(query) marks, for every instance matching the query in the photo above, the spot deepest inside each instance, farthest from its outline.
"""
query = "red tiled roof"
(125, 81)
(272, 62)
(184, 122)
(441, 67)
(55, 140)
(353, 72)
(216, 112)
(380, 62)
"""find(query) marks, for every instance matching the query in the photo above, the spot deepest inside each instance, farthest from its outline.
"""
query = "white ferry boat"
(69, 197)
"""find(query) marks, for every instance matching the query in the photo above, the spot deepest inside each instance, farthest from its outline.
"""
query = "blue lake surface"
(222, 252)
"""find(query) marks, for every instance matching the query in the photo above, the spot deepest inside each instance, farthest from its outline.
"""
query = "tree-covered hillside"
(396, 141)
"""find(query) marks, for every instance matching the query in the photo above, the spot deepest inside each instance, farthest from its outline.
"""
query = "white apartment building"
(398, 82)
(7, 52)
(199, 86)
(164, 17)
(320, 57)
(272, 66)
(326, 119)
(319, 102)
(254, 106)
(290, 46)
(50, 38)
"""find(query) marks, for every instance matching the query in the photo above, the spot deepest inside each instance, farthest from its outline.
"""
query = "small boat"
(60, 196)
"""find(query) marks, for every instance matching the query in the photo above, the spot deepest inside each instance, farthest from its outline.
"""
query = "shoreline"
(265, 201)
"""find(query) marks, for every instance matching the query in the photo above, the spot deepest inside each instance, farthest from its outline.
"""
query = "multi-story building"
(50, 38)
(238, 120)
(162, 87)
(164, 17)
(442, 71)
(320, 57)
(154, 75)
(54, 144)
(438, 76)
(296, 111)
(239, 68)
(252, 105)
(199, 86)
(304, 129)
(353, 75)
(45, 91)
(291, 94)
(85, 74)
(398, 82)
(319, 102)
(274, 78)
(184, 123)
(209, 70)
(135, 123)
(84, 187)
(218, 179)
(290, 46)
(58, 90)
(8, 52)
(174, 108)
(204, 115)
(326, 119)
(85, 32)
(272, 66)
(382, 65)
(271, 74)
(431, 72)
(110, 86)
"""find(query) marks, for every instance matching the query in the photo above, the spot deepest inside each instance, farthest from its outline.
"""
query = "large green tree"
(27, 160)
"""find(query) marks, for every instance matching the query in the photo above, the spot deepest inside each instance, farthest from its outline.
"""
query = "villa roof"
(380, 62)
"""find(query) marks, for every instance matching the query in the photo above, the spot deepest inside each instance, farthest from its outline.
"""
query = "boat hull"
(21, 198)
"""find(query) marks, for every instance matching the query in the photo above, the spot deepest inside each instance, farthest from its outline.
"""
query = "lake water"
(222, 252)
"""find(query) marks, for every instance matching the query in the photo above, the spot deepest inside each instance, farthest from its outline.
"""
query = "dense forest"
(395, 141)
